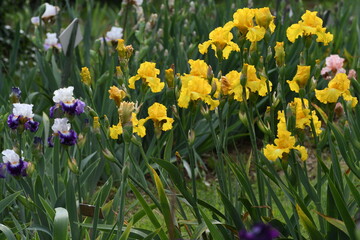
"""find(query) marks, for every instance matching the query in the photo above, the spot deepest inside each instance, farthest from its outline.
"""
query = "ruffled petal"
(132, 81)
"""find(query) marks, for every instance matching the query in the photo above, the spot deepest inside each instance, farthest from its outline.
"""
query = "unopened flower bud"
(243, 77)
(209, 73)
(125, 111)
(339, 109)
(106, 121)
(352, 74)
(279, 54)
(205, 111)
(108, 155)
(191, 136)
(30, 168)
(169, 76)
(73, 165)
(81, 140)
(85, 76)
(243, 118)
(15, 95)
(96, 125)
(92, 112)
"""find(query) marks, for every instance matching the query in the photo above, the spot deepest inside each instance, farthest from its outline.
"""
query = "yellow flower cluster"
(283, 143)
(309, 25)
(338, 86)
(243, 19)
(148, 73)
(195, 86)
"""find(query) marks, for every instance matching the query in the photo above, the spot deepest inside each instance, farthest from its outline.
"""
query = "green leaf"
(8, 233)
(343, 211)
(336, 222)
(353, 190)
(126, 233)
(231, 211)
(164, 202)
(153, 234)
(71, 206)
(308, 224)
(61, 222)
(49, 210)
(136, 233)
(168, 147)
(8, 200)
(215, 232)
(148, 211)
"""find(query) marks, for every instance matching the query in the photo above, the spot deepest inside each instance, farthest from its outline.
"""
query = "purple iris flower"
(259, 231)
(2, 170)
(69, 138)
(31, 125)
(14, 164)
(64, 99)
(12, 121)
(22, 116)
(75, 108)
(17, 170)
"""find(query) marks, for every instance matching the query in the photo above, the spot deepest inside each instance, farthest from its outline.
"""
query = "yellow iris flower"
(309, 25)
(243, 19)
(300, 79)
(117, 95)
(304, 116)
(115, 131)
(231, 83)
(148, 73)
(157, 113)
(220, 42)
(254, 83)
(283, 143)
(338, 86)
(195, 86)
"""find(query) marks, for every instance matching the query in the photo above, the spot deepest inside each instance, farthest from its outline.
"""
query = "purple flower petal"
(80, 107)
(17, 170)
(13, 122)
(52, 110)
(259, 231)
(50, 141)
(69, 138)
(31, 125)
(2, 170)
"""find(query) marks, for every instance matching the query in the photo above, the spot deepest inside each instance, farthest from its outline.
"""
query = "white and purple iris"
(63, 98)
(51, 41)
(22, 116)
(62, 128)
(114, 34)
(13, 163)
